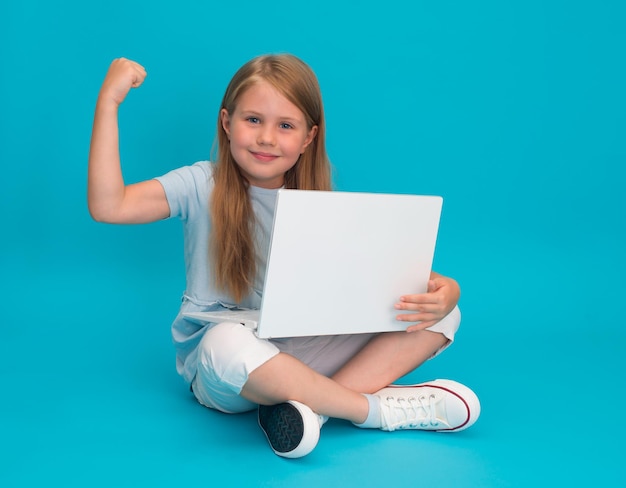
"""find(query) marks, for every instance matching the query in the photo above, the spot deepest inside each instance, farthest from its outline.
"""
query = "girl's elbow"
(99, 214)
(97, 217)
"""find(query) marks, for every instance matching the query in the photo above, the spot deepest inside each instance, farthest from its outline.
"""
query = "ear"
(309, 138)
(225, 119)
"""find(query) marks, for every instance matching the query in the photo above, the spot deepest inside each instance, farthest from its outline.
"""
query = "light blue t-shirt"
(188, 190)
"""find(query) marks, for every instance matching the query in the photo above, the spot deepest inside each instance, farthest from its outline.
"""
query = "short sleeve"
(187, 189)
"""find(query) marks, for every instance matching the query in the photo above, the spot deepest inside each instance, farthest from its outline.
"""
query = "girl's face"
(267, 134)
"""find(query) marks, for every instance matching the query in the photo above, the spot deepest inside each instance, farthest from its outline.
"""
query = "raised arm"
(109, 198)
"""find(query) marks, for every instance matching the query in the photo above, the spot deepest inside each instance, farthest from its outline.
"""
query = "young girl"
(271, 134)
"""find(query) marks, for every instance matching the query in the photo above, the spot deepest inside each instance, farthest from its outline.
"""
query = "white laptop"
(339, 261)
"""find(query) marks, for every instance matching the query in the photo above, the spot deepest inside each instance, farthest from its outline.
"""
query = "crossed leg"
(383, 360)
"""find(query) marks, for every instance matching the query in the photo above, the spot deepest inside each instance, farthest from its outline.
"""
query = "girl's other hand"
(123, 75)
(430, 307)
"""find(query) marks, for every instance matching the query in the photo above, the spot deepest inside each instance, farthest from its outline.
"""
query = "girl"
(271, 134)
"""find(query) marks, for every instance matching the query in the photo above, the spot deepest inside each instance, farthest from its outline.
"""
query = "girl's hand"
(429, 308)
(123, 75)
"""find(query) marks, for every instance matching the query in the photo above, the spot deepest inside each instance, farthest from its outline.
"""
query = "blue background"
(515, 112)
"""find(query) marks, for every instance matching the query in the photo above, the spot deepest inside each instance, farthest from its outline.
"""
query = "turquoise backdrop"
(514, 112)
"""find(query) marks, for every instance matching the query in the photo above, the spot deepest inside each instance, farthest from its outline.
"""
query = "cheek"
(297, 145)
(234, 147)
(303, 147)
(236, 139)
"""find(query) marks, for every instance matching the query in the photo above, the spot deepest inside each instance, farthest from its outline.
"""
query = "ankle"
(372, 421)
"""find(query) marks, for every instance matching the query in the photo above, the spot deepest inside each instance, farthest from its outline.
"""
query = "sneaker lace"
(410, 413)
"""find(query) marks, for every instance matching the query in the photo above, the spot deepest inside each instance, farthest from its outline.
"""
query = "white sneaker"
(291, 428)
(440, 405)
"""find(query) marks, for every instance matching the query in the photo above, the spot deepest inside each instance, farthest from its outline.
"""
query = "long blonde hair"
(232, 217)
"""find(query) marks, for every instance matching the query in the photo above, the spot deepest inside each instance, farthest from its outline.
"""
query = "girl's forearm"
(105, 183)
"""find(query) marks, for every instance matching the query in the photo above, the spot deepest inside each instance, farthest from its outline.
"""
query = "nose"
(266, 136)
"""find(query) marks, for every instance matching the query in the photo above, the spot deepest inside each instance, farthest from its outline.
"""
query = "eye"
(253, 120)
(285, 125)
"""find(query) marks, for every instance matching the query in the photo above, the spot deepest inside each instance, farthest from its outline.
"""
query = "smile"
(265, 157)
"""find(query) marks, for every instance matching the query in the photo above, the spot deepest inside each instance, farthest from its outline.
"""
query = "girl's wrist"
(106, 103)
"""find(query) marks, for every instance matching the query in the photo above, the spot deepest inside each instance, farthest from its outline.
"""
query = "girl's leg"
(234, 364)
(387, 357)
(377, 364)
(285, 378)
(291, 392)
(383, 360)
(237, 371)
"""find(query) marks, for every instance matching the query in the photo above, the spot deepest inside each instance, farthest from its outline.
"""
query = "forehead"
(262, 97)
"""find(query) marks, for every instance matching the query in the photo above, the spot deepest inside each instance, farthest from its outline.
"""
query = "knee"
(229, 352)
(221, 343)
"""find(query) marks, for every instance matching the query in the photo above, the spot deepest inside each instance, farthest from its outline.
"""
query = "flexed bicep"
(109, 198)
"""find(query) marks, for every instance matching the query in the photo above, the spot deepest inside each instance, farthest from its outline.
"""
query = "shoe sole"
(289, 434)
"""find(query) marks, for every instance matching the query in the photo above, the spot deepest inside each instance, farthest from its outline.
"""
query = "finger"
(420, 308)
(418, 317)
(422, 298)
(420, 326)
(139, 75)
(435, 308)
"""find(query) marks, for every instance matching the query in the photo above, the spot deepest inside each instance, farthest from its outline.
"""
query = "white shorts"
(229, 352)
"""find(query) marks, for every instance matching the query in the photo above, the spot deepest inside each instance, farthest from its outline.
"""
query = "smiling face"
(267, 134)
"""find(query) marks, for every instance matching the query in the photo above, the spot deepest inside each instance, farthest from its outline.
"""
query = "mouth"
(262, 156)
